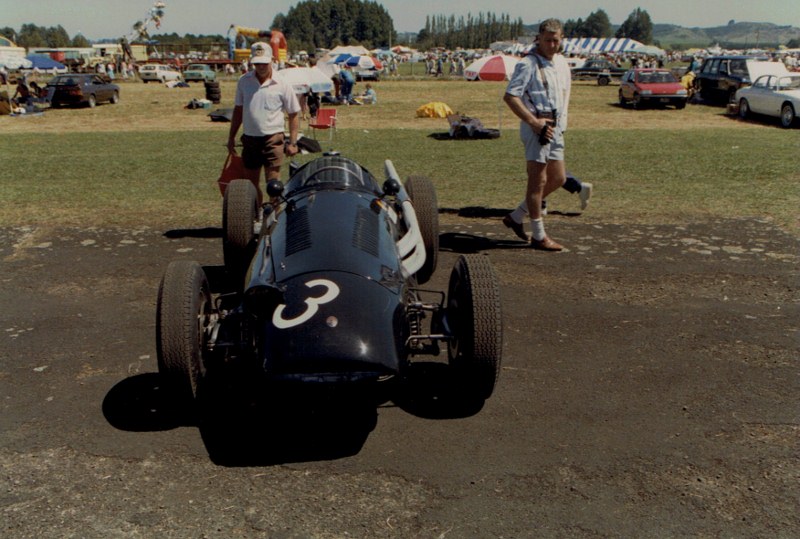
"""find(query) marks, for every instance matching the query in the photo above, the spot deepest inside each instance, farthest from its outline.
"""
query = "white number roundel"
(312, 305)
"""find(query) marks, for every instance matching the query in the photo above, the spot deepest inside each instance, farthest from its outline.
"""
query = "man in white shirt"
(259, 108)
(538, 94)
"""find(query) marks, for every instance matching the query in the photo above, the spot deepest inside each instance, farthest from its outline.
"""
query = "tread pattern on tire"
(177, 332)
(426, 206)
(239, 211)
(481, 316)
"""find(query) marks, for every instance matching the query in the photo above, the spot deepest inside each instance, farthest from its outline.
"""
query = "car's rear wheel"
(744, 108)
(475, 323)
(92, 102)
(426, 207)
(239, 213)
(603, 81)
(787, 115)
(184, 316)
(115, 98)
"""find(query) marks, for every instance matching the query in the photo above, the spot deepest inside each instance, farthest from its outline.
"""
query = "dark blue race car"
(327, 288)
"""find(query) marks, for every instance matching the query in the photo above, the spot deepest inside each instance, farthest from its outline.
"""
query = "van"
(720, 76)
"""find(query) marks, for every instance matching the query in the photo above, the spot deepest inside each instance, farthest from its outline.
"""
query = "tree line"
(637, 26)
(468, 33)
(310, 25)
(31, 35)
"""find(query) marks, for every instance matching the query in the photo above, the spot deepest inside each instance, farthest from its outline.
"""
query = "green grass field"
(149, 161)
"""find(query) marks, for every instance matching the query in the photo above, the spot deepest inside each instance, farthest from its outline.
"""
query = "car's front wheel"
(787, 115)
(92, 102)
(744, 108)
(115, 98)
(475, 325)
(423, 197)
(184, 316)
(239, 213)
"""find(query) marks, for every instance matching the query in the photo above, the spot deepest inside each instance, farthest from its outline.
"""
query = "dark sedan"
(81, 89)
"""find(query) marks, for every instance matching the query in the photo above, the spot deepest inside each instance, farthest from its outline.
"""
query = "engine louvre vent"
(365, 231)
(298, 231)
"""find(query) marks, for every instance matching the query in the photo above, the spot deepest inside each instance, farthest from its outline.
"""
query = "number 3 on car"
(312, 305)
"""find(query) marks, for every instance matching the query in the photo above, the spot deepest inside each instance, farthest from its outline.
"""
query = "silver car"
(772, 95)
(159, 73)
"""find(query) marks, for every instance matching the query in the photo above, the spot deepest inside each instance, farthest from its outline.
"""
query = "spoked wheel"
(426, 207)
(475, 323)
(239, 213)
(184, 316)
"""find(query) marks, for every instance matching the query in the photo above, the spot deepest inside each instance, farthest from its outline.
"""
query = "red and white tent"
(498, 67)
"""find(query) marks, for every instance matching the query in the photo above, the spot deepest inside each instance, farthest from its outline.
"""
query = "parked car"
(719, 77)
(598, 69)
(199, 72)
(158, 73)
(326, 290)
(641, 87)
(81, 89)
(367, 74)
(772, 95)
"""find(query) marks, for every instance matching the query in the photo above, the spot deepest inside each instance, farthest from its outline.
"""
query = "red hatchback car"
(641, 87)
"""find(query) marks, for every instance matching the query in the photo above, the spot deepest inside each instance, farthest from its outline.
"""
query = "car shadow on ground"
(202, 233)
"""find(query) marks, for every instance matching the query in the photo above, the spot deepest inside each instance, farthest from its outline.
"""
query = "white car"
(158, 73)
(772, 95)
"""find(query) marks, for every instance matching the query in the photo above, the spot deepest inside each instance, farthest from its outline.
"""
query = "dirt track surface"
(649, 389)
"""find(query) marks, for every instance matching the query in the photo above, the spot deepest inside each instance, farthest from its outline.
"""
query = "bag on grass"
(232, 170)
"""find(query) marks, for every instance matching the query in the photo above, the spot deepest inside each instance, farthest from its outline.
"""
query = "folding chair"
(325, 119)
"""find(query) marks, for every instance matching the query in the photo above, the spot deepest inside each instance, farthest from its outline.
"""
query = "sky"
(97, 19)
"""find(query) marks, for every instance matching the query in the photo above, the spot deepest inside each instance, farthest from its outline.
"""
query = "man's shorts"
(535, 151)
(266, 151)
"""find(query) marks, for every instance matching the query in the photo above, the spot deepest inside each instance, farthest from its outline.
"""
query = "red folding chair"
(325, 119)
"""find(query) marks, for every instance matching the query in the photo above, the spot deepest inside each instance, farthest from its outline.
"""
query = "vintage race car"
(327, 289)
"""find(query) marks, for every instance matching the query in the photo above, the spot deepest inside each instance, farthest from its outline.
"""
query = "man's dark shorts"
(266, 151)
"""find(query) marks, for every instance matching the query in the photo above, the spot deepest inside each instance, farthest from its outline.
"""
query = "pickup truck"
(598, 69)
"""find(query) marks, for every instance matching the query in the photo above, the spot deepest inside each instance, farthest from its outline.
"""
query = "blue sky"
(97, 19)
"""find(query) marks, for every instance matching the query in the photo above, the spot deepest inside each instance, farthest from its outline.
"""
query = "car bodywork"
(598, 69)
(641, 87)
(777, 96)
(199, 72)
(158, 73)
(81, 89)
(328, 288)
(719, 77)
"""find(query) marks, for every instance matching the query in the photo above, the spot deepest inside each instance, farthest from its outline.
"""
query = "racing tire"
(182, 317)
(744, 108)
(114, 98)
(92, 102)
(239, 213)
(475, 325)
(423, 196)
(787, 115)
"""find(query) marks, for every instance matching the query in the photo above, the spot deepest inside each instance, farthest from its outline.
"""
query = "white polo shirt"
(263, 105)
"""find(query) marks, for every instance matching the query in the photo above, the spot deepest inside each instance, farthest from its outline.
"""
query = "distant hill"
(733, 35)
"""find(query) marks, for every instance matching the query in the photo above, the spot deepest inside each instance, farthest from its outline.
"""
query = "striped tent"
(597, 45)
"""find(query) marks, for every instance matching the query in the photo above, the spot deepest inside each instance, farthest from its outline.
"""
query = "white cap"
(260, 53)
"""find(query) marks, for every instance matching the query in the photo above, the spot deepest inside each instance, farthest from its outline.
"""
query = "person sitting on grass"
(369, 97)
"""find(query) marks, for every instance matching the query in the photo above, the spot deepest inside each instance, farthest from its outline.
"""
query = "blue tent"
(44, 62)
